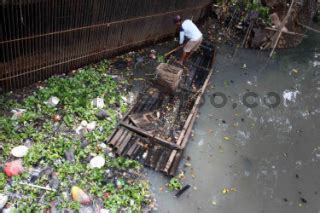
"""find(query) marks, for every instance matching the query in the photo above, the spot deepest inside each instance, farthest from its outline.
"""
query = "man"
(189, 30)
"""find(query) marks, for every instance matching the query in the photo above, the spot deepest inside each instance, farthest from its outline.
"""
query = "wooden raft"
(137, 135)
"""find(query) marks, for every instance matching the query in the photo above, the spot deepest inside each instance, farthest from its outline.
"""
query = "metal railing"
(39, 39)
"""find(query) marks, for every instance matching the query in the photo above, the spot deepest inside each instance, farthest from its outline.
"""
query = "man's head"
(177, 20)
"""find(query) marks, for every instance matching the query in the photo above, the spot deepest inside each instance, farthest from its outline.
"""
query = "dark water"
(268, 157)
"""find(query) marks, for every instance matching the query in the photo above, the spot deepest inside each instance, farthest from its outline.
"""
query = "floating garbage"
(120, 64)
(87, 209)
(91, 126)
(98, 103)
(80, 196)
(53, 101)
(13, 168)
(140, 59)
(153, 54)
(97, 162)
(17, 113)
(56, 118)
(19, 151)
(119, 183)
(69, 155)
(102, 114)
(3, 200)
(183, 190)
(103, 146)
(35, 174)
(81, 127)
(84, 123)
(105, 211)
(9, 210)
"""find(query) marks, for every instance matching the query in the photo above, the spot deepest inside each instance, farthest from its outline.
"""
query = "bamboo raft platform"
(156, 129)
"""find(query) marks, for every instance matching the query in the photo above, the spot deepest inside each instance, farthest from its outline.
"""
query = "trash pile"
(53, 154)
(261, 24)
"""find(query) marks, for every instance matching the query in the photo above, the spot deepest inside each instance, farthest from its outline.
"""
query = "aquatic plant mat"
(65, 165)
(156, 129)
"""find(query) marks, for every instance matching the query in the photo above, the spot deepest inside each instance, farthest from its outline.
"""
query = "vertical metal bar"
(52, 38)
(31, 48)
(59, 28)
(5, 50)
(47, 29)
(90, 21)
(11, 47)
(63, 47)
(32, 29)
(37, 75)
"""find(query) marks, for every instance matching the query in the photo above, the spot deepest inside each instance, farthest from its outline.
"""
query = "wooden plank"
(132, 148)
(186, 126)
(123, 145)
(116, 137)
(153, 138)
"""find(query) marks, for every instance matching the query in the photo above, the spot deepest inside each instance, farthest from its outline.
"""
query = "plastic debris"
(226, 138)
(81, 127)
(35, 174)
(13, 168)
(98, 103)
(53, 101)
(227, 190)
(91, 126)
(56, 118)
(183, 190)
(80, 196)
(102, 114)
(69, 155)
(87, 209)
(120, 64)
(9, 210)
(103, 146)
(105, 211)
(119, 183)
(19, 151)
(97, 162)
(153, 55)
(84, 123)
(17, 113)
(3, 200)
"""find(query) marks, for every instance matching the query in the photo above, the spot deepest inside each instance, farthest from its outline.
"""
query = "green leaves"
(50, 140)
(175, 184)
(3, 180)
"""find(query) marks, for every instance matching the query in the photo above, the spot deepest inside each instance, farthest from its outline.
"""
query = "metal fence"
(40, 38)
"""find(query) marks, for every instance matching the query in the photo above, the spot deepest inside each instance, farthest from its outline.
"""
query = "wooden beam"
(281, 28)
(309, 28)
(288, 32)
(153, 138)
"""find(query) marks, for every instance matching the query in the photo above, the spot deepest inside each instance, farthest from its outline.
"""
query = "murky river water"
(268, 157)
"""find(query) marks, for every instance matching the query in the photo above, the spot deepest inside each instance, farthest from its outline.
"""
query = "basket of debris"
(168, 77)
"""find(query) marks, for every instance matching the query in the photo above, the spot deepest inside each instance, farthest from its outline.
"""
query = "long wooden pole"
(309, 28)
(281, 28)
(189, 122)
(172, 51)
